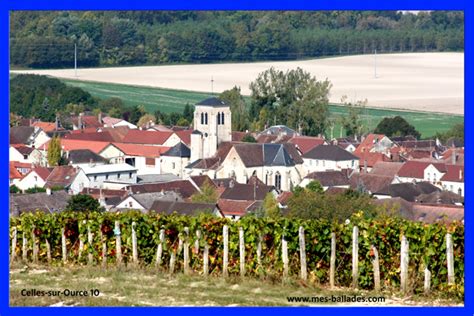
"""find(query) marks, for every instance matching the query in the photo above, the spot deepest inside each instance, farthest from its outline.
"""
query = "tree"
(249, 139)
(83, 203)
(188, 112)
(14, 189)
(270, 206)
(351, 122)
(54, 151)
(208, 194)
(315, 186)
(240, 116)
(182, 122)
(135, 113)
(295, 98)
(396, 126)
(146, 119)
(457, 131)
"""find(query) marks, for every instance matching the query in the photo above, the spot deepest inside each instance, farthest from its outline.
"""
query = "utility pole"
(375, 63)
(75, 60)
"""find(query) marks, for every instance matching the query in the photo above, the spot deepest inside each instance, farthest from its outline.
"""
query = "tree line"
(45, 39)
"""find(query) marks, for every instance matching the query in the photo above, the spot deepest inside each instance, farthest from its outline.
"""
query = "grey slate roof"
(268, 154)
(213, 101)
(84, 156)
(21, 203)
(179, 150)
(408, 191)
(329, 152)
(329, 178)
(147, 199)
(21, 134)
(247, 192)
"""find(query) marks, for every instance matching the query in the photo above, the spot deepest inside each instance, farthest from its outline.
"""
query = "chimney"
(453, 156)
(231, 183)
(99, 116)
(79, 121)
(48, 191)
(460, 174)
(56, 123)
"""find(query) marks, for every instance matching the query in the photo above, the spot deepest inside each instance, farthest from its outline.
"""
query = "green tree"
(457, 131)
(54, 151)
(208, 194)
(352, 122)
(83, 203)
(188, 112)
(270, 206)
(240, 116)
(182, 122)
(14, 189)
(315, 186)
(249, 139)
(145, 119)
(396, 126)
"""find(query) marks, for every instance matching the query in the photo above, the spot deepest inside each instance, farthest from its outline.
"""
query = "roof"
(73, 144)
(184, 187)
(237, 136)
(247, 192)
(79, 156)
(87, 121)
(21, 134)
(213, 101)
(103, 136)
(408, 191)
(306, 143)
(156, 178)
(253, 155)
(329, 178)
(440, 197)
(110, 121)
(14, 173)
(42, 172)
(178, 150)
(183, 208)
(418, 143)
(45, 126)
(368, 143)
(215, 161)
(454, 173)
(141, 150)
(105, 192)
(24, 150)
(43, 202)
(200, 180)
(385, 168)
(279, 129)
(370, 182)
(61, 176)
(119, 167)
(283, 197)
(185, 136)
(136, 136)
(21, 165)
(416, 169)
(329, 152)
(234, 208)
(146, 199)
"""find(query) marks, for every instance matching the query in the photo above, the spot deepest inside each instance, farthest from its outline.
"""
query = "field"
(149, 287)
(432, 82)
(167, 100)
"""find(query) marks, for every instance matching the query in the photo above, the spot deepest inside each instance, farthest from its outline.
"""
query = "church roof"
(179, 150)
(213, 101)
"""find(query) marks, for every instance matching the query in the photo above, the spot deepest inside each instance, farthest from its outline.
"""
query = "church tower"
(213, 121)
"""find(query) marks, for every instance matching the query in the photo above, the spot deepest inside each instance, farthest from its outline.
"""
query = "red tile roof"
(368, 143)
(14, 173)
(416, 169)
(233, 207)
(306, 143)
(61, 176)
(141, 150)
(43, 172)
(45, 126)
(454, 173)
(371, 158)
(87, 121)
(73, 144)
(284, 197)
(91, 136)
(185, 136)
(146, 137)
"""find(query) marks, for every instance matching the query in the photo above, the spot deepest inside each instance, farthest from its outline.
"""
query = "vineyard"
(320, 252)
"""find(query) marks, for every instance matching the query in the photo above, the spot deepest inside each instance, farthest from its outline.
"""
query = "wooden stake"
(376, 267)
(450, 258)
(159, 250)
(13, 252)
(81, 246)
(24, 247)
(284, 257)
(304, 271)
(172, 261)
(35, 246)
(196, 242)
(225, 262)
(48, 251)
(118, 243)
(355, 257)
(206, 260)
(427, 284)
(332, 263)
(90, 256)
(242, 251)
(186, 250)
(104, 249)
(259, 252)
(404, 261)
(63, 245)
(134, 244)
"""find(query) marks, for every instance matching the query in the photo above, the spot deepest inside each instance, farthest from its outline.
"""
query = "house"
(175, 159)
(327, 179)
(184, 136)
(83, 157)
(74, 144)
(278, 165)
(236, 209)
(407, 191)
(28, 135)
(46, 202)
(185, 208)
(369, 182)
(152, 138)
(22, 167)
(279, 130)
(144, 201)
(184, 188)
(48, 127)
(71, 178)
(440, 197)
(453, 179)
(22, 153)
(14, 175)
(383, 168)
(36, 178)
(101, 175)
(115, 122)
(329, 157)
(83, 121)
(306, 143)
(377, 143)
(414, 170)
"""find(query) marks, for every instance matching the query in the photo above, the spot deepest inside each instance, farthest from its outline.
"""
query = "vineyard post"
(225, 262)
(332, 267)
(159, 250)
(355, 256)
(81, 246)
(13, 253)
(63, 244)
(196, 242)
(427, 284)
(104, 249)
(259, 252)
(134, 243)
(376, 267)
(90, 256)
(118, 243)
(180, 244)
(206, 259)
(24, 249)
(172, 261)
(303, 272)
(186, 250)
(48, 250)
(284, 256)
(242, 251)
(35, 246)
(404, 260)
(450, 258)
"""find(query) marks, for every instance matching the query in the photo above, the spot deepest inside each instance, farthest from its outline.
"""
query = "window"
(205, 118)
(324, 163)
(352, 164)
(36, 178)
(317, 163)
(218, 119)
(95, 178)
(130, 175)
(173, 165)
(106, 177)
(222, 118)
(25, 157)
(150, 161)
(451, 188)
(460, 191)
(202, 118)
(278, 181)
(130, 204)
(266, 178)
(118, 175)
(434, 177)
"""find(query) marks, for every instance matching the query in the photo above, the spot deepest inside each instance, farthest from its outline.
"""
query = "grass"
(174, 101)
(128, 286)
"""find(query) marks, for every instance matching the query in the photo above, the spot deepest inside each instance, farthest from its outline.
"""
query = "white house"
(116, 173)
(144, 201)
(417, 171)
(329, 157)
(28, 135)
(175, 160)
(69, 177)
(35, 178)
(25, 154)
(453, 179)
